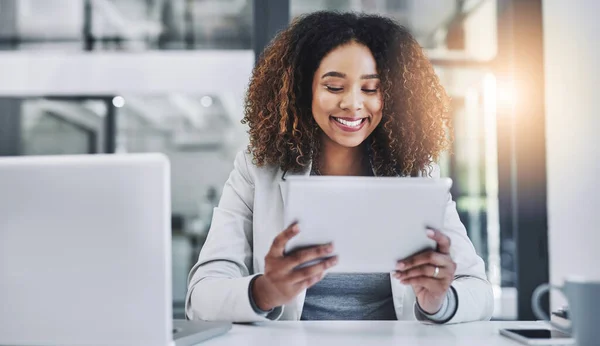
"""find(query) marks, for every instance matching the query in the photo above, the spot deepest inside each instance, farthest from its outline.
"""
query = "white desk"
(360, 333)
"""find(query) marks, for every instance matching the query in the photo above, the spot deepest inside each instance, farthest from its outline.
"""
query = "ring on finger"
(436, 272)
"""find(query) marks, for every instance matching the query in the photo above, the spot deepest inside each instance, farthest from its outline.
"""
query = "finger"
(426, 270)
(311, 281)
(427, 283)
(316, 269)
(427, 257)
(278, 246)
(305, 255)
(442, 240)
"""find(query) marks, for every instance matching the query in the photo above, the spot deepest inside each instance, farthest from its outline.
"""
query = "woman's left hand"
(429, 273)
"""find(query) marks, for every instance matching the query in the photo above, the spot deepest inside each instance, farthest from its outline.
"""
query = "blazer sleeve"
(218, 284)
(475, 299)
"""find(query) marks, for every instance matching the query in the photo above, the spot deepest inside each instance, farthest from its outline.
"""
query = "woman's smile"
(349, 124)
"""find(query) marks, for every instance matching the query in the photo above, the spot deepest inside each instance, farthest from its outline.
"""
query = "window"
(125, 25)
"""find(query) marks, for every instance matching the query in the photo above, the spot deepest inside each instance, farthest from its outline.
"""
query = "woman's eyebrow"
(334, 74)
(343, 75)
(370, 76)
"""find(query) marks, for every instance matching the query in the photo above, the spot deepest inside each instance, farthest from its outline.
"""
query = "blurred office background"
(119, 76)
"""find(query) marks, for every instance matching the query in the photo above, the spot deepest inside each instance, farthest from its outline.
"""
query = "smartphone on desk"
(538, 336)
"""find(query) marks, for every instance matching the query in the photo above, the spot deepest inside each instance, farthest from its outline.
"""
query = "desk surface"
(349, 333)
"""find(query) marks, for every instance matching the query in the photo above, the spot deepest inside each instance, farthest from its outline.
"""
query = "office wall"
(572, 72)
(115, 73)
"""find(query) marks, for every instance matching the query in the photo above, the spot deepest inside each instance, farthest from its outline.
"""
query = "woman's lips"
(349, 124)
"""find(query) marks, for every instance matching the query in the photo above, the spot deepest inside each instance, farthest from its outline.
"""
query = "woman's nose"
(352, 101)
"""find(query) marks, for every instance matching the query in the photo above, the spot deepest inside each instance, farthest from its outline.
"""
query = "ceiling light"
(118, 101)
(206, 101)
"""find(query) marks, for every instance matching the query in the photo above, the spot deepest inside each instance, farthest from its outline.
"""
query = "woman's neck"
(335, 159)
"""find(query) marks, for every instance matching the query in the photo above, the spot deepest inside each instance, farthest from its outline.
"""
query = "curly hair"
(277, 107)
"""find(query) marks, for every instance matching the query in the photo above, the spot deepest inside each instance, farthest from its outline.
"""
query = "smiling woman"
(334, 94)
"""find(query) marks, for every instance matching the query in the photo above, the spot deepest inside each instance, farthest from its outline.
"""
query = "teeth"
(349, 123)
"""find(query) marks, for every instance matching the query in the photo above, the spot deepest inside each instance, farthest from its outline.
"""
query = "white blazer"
(250, 215)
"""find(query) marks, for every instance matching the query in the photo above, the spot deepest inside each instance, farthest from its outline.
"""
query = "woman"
(334, 94)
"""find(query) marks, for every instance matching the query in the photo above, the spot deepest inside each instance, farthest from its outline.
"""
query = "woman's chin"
(348, 142)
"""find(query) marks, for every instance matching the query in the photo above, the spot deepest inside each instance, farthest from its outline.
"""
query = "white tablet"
(373, 222)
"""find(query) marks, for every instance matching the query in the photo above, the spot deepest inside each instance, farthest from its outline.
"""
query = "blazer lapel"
(282, 184)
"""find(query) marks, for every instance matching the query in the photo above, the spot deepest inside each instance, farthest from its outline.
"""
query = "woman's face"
(347, 100)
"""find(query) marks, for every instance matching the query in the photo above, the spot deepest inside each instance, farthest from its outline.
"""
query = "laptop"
(85, 253)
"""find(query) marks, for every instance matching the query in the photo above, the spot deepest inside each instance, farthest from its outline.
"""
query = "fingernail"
(296, 229)
(430, 233)
(329, 248)
(401, 265)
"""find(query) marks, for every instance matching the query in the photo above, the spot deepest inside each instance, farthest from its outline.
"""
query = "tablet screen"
(373, 222)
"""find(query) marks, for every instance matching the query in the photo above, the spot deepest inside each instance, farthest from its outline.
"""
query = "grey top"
(358, 297)
(341, 296)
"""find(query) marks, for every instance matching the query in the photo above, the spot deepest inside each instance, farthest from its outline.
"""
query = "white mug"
(584, 309)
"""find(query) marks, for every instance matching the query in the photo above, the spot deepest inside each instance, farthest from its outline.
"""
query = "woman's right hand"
(280, 282)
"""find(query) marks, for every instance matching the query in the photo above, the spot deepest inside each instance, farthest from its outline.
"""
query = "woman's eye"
(334, 89)
(370, 91)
